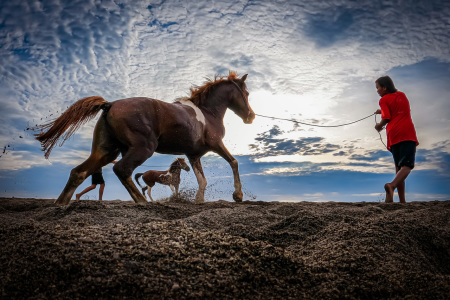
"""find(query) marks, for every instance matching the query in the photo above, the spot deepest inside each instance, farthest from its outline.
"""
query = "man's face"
(380, 90)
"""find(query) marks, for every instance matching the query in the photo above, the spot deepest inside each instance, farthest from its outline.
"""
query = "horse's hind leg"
(103, 152)
(124, 168)
(81, 172)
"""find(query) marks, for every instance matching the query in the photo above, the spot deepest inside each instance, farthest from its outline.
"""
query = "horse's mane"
(200, 93)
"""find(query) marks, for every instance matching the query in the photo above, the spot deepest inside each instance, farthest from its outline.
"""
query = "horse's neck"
(174, 170)
(217, 102)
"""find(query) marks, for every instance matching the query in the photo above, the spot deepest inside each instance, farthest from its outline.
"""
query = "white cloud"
(306, 60)
(17, 159)
(314, 197)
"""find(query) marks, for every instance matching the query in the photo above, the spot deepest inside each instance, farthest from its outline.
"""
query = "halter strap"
(177, 165)
(242, 93)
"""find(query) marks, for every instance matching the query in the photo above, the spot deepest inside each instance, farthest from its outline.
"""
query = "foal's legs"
(198, 170)
(173, 189)
(149, 192)
(177, 186)
(223, 151)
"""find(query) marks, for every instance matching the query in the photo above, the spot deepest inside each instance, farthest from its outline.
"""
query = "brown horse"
(171, 177)
(138, 127)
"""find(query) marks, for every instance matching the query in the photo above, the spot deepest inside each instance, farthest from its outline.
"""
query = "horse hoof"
(237, 196)
(60, 201)
(199, 201)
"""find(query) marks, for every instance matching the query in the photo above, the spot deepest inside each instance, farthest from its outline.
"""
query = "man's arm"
(380, 126)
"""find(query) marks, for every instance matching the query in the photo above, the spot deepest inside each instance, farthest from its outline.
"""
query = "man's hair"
(386, 82)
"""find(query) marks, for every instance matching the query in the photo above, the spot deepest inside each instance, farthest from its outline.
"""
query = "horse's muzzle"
(250, 118)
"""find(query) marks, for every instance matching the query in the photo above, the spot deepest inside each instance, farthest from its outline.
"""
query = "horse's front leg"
(223, 151)
(173, 189)
(198, 171)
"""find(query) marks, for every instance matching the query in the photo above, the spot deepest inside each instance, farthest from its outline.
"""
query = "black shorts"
(97, 178)
(404, 154)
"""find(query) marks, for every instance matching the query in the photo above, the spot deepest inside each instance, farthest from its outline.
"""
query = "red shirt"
(395, 107)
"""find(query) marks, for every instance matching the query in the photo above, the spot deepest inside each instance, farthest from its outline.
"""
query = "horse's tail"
(136, 177)
(76, 115)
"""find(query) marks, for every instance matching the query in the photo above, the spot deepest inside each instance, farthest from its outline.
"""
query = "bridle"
(178, 164)
(245, 99)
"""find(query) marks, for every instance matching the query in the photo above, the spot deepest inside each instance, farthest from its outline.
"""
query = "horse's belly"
(179, 144)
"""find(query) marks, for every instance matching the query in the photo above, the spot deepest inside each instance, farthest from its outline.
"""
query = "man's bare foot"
(389, 193)
(77, 196)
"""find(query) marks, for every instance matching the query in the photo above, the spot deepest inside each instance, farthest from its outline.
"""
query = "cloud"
(328, 26)
(267, 144)
(314, 61)
(371, 155)
(437, 158)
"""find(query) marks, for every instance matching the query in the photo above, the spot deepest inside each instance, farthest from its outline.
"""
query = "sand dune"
(224, 250)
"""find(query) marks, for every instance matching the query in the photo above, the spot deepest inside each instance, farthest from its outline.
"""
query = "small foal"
(170, 177)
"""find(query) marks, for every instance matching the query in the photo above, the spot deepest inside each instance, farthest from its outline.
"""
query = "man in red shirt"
(401, 134)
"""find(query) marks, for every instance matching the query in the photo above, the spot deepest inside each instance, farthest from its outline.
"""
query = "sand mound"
(250, 250)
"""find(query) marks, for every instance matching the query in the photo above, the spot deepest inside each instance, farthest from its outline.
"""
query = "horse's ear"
(244, 77)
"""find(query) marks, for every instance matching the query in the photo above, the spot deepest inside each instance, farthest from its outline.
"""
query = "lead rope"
(315, 125)
(379, 133)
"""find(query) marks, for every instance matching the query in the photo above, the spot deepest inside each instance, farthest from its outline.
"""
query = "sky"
(311, 61)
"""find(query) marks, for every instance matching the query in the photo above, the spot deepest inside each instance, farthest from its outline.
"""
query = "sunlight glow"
(308, 107)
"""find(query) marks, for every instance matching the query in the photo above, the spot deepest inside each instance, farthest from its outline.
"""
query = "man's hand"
(379, 127)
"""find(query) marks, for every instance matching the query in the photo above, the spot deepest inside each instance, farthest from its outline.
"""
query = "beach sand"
(224, 250)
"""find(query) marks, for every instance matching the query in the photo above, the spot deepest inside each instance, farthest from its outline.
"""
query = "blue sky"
(313, 61)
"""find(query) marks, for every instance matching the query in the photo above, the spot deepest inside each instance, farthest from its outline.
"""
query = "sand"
(224, 250)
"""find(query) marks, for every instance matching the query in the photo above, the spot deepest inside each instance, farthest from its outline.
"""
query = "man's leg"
(399, 183)
(89, 188)
(100, 191)
(401, 192)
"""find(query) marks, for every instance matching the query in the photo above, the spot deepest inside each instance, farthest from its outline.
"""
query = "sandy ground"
(224, 250)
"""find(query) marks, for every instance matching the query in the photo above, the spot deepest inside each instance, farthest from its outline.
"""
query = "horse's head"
(239, 100)
(181, 163)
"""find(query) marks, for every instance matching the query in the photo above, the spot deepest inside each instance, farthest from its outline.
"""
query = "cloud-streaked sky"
(313, 61)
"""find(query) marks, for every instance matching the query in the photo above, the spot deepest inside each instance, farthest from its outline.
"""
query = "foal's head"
(180, 163)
